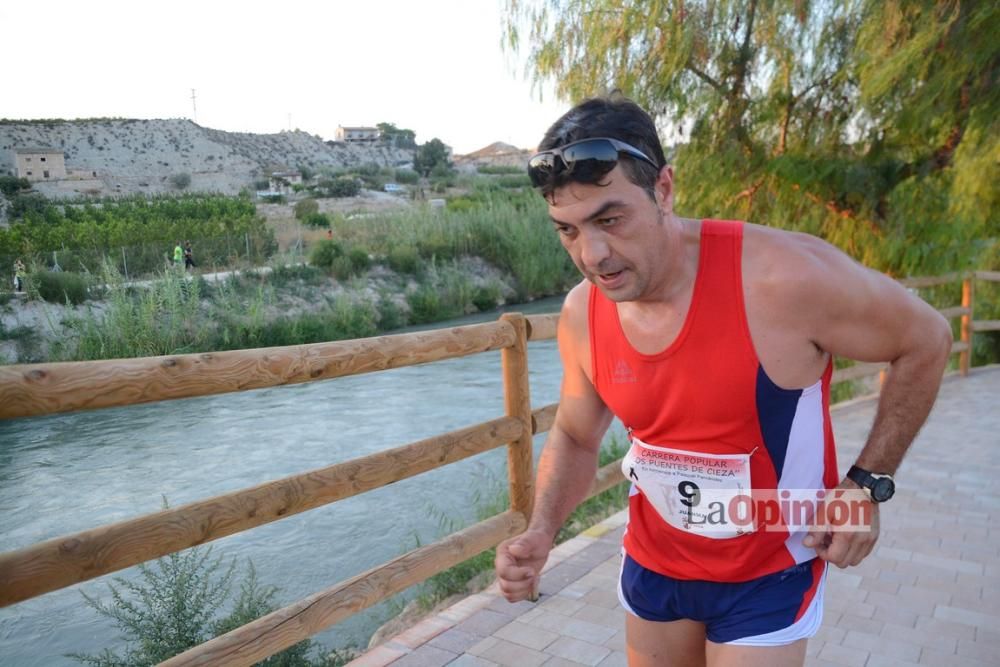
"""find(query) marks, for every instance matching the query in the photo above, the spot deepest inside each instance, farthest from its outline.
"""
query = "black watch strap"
(880, 487)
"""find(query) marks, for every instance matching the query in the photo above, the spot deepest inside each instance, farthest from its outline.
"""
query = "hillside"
(131, 156)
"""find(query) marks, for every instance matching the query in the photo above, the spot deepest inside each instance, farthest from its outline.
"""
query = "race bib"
(703, 494)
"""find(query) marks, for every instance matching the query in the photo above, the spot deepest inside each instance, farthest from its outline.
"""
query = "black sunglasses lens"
(540, 168)
(598, 150)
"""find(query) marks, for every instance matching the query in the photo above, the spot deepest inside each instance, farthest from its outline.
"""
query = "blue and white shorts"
(774, 610)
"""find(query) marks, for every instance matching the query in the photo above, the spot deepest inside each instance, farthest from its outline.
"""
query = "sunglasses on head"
(588, 160)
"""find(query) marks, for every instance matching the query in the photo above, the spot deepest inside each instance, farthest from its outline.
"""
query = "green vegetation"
(61, 287)
(874, 124)
(181, 180)
(223, 230)
(430, 155)
(176, 604)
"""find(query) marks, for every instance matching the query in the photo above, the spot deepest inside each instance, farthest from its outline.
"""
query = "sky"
(432, 66)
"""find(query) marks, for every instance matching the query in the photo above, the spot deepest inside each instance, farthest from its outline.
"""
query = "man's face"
(614, 233)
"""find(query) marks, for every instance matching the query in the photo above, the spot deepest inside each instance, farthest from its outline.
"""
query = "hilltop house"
(352, 134)
(39, 163)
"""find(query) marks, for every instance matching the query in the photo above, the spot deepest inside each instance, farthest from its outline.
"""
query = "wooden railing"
(29, 390)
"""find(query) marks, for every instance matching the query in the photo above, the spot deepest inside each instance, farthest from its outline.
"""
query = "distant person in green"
(18, 275)
(178, 256)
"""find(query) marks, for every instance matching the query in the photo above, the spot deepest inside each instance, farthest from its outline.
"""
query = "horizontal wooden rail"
(955, 311)
(931, 281)
(67, 560)
(959, 346)
(542, 327)
(986, 325)
(37, 389)
(288, 626)
(989, 276)
(542, 418)
(856, 372)
(608, 476)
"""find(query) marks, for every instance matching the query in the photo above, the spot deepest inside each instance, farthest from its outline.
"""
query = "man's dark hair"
(616, 117)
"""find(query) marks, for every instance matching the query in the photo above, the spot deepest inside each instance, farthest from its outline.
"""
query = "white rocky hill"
(131, 156)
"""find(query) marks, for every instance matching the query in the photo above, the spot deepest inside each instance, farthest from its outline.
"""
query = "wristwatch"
(879, 487)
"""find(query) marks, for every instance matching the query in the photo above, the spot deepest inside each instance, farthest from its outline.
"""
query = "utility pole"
(194, 106)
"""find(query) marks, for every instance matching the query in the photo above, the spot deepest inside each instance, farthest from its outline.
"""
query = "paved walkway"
(928, 595)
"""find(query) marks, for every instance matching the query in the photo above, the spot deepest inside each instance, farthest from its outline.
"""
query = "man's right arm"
(568, 463)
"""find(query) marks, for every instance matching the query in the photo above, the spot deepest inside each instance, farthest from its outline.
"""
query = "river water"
(64, 473)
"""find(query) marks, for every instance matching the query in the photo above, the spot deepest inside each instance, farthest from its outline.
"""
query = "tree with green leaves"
(397, 137)
(430, 155)
(874, 123)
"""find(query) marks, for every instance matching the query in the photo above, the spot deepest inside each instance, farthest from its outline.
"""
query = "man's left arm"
(866, 316)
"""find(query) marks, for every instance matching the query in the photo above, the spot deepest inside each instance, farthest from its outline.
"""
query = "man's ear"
(665, 188)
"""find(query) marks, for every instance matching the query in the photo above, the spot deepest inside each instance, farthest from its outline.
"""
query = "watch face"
(883, 489)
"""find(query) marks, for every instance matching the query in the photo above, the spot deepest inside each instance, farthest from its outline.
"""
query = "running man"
(712, 341)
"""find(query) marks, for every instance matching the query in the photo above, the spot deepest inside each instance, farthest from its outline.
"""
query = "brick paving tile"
(881, 585)
(575, 628)
(850, 622)
(830, 634)
(426, 656)
(455, 640)
(559, 577)
(973, 649)
(612, 618)
(614, 659)
(617, 641)
(934, 658)
(896, 615)
(606, 597)
(883, 646)
(526, 635)
(844, 655)
(886, 601)
(578, 650)
(511, 608)
(946, 628)
(991, 637)
(966, 616)
(471, 661)
(556, 661)
(881, 661)
(816, 662)
(921, 638)
(562, 605)
(377, 657)
(484, 622)
(512, 655)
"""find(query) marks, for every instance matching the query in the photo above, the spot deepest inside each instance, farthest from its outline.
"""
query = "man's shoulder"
(781, 258)
(574, 315)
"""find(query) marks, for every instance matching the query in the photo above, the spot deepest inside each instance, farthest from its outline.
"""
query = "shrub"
(342, 268)
(406, 176)
(61, 286)
(325, 252)
(173, 607)
(514, 181)
(360, 260)
(319, 220)
(404, 259)
(343, 186)
(425, 305)
(11, 185)
(180, 180)
(305, 208)
(499, 169)
(487, 297)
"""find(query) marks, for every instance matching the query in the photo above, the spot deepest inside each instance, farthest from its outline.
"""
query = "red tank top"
(704, 418)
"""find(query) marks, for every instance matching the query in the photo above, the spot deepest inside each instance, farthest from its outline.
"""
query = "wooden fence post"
(517, 401)
(968, 295)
